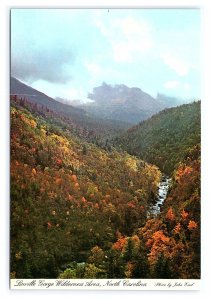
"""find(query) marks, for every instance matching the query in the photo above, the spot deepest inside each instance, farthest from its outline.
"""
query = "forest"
(165, 138)
(81, 198)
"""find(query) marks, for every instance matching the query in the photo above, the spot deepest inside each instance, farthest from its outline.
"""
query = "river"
(163, 188)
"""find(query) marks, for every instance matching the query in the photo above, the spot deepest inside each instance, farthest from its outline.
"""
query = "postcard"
(105, 137)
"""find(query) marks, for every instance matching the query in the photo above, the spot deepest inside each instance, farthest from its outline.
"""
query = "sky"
(67, 52)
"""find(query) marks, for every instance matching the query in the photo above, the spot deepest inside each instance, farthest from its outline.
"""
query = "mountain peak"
(123, 103)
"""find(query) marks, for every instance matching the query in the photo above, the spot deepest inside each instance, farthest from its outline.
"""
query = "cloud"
(128, 38)
(171, 84)
(177, 64)
(187, 86)
(64, 51)
(93, 68)
(184, 87)
(51, 64)
(99, 72)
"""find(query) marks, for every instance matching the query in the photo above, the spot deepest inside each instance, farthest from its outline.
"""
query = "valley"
(98, 195)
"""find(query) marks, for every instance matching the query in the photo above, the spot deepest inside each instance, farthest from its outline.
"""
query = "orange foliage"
(74, 178)
(119, 244)
(58, 161)
(130, 204)
(177, 228)
(33, 171)
(170, 214)
(159, 243)
(58, 181)
(182, 171)
(84, 200)
(28, 121)
(149, 243)
(160, 236)
(192, 225)
(76, 185)
(184, 214)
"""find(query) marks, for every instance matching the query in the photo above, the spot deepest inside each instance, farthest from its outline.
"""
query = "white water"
(163, 188)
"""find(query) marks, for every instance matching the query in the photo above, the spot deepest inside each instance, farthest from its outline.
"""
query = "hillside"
(172, 239)
(78, 211)
(165, 138)
(22, 90)
(69, 196)
(126, 104)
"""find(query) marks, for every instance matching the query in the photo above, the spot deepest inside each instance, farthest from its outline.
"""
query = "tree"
(84, 149)
(162, 268)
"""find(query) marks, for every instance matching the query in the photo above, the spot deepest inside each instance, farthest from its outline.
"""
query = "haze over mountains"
(122, 103)
(76, 115)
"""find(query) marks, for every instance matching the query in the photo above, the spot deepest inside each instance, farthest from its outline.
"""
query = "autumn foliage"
(84, 214)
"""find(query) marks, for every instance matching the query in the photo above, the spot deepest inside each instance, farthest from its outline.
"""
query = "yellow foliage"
(18, 255)
(129, 269)
(28, 121)
(131, 163)
(43, 131)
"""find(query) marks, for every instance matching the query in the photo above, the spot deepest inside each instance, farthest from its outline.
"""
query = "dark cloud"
(52, 64)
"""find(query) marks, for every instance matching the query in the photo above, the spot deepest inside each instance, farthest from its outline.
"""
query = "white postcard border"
(6, 294)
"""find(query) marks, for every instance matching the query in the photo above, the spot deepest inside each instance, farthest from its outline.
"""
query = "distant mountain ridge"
(126, 104)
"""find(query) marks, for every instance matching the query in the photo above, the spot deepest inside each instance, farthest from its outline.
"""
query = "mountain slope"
(78, 211)
(172, 239)
(22, 90)
(120, 102)
(77, 115)
(68, 196)
(164, 139)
